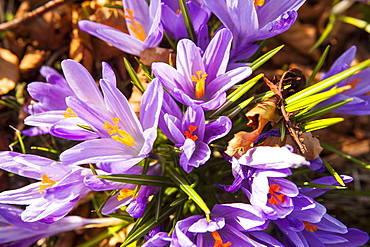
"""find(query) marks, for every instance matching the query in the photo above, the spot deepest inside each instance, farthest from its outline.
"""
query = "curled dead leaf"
(262, 113)
(241, 142)
(311, 143)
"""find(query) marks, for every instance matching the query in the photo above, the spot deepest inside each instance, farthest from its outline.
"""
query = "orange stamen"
(200, 83)
(69, 113)
(121, 135)
(218, 240)
(46, 182)
(124, 193)
(275, 198)
(135, 26)
(258, 2)
(352, 84)
(309, 227)
(189, 134)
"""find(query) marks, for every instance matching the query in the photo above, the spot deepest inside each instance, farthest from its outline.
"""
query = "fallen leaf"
(9, 73)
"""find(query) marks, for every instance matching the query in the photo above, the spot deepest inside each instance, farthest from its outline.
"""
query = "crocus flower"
(310, 226)
(327, 180)
(359, 83)
(14, 232)
(49, 200)
(174, 25)
(143, 22)
(51, 112)
(200, 78)
(124, 140)
(235, 224)
(190, 133)
(252, 20)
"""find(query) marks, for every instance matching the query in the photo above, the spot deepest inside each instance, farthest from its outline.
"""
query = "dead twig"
(34, 13)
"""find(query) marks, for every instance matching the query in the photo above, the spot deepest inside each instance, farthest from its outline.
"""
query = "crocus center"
(276, 196)
(124, 193)
(189, 133)
(117, 134)
(309, 227)
(258, 2)
(218, 240)
(46, 182)
(135, 26)
(200, 80)
(69, 113)
(353, 83)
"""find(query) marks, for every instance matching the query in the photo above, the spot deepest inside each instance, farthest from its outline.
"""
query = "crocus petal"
(70, 129)
(23, 196)
(151, 104)
(46, 119)
(217, 129)
(82, 83)
(108, 74)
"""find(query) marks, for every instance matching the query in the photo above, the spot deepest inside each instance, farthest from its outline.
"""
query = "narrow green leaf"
(146, 70)
(263, 59)
(334, 173)
(88, 128)
(319, 124)
(282, 131)
(184, 186)
(113, 6)
(310, 101)
(318, 87)
(187, 21)
(148, 180)
(95, 241)
(135, 79)
(344, 155)
(320, 186)
(329, 27)
(45, 149)
(318, 66)
(320, 111)
(148, 225)
(234, 111)
(355, 22)
(240, 91)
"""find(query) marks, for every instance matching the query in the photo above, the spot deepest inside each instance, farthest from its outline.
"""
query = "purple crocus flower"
(200, 78)
(14, 232)
(143, 22)
(49, 200)
(173, 21)
(359, 83)
(190, 133)
(251, 20)
(235, 224)
(124, 140)
(51, 112)
(309, 225)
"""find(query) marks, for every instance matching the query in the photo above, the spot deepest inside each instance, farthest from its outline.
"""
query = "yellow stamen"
(121, 135)
(259, 2)
(124, 193)
(135, 26)
(69, 113)
(200, 83)
(309, 227)
(218, 240)
(46, 183)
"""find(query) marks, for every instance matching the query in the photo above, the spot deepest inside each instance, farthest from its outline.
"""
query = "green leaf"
(355, 22)
(318, 66)
(95, 241)
(148, 180)
(148, 225)
(334, 173)
(263, 59)
(321, 186)
(310, 101)
(329, 27)
(344, 155)
(135, 79)
(187, 21)
(320, 111)
(184, 186)
(318, 87)
(319, 124)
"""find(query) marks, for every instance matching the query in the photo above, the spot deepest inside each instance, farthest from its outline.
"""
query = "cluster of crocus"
(175, 142)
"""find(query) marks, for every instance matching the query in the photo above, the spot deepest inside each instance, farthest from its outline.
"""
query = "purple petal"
(217, 129)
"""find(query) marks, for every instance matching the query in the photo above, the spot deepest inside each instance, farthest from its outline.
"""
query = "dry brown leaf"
(262, 113)
(311, 143)
(241, 142)
(9, 73)
(33, 59)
